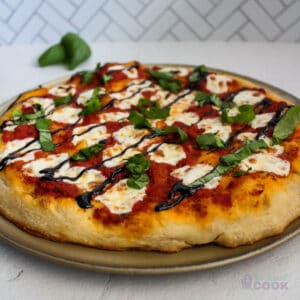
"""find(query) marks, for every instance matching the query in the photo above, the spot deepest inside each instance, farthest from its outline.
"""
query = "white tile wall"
(45, 21)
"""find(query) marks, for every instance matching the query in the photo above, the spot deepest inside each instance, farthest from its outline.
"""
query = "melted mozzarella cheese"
(167, 153)
(190, 173)
(23, 156)
(128, 135)
(132, 73)
(261, 120)
(33, 168)
(65, 115)
(246, 136)
(177, 70)
(248, 97)
(217, 83)
(113, 116)
(182, 104)
(46, 103)
(86, 181)
(120, 198)
(266, 162)
(215, 126)
(90, 134)
(187, 118)
(115, 68)
(62, 90)
(13, 146)
(116, 150)
(85, 96)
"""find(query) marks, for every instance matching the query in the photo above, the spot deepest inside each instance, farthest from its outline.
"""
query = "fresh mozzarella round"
(261, 120)
(176, 70)
(90, 134)
(120, 198)
(128, 135)
(46, 103)
(113, 116)
(65, 114)
(62, 90)
(217, 83)
(167, 153)
(13, 146)
(187, 118)
(85, 96)
(249, 97)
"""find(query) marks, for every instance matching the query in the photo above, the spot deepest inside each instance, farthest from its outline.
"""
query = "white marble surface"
(276, 273)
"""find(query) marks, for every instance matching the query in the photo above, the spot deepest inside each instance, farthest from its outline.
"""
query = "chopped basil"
(45, 138)
(198, 72)
(152, 110)
(137, 165)
(93, 105)
(166, 80)
(87, 76)
(173, 129)
(245, 115)
(63, 100)
(106, 78)
(230, 161)
(86, 153)
(209, 140)
(20, 118)
(138, 120)
(287, 124)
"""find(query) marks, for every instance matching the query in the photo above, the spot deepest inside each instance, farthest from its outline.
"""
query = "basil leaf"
(198, 72)
(76, 49)
(93, 104)
(53, 55)
(152, 110)
(17, 113)
(204, 98)
(137, 164)
(230, 161)
(106, 78)
(45, 138)
(86, 153)
(138, 120)
(287, 124)
(209, 140)
(245, 115)
(20, 118)
(173, 129)
(166, 80)
(63, 100)
(138, 181)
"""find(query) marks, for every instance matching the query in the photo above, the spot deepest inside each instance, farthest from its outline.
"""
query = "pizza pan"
(143, 262)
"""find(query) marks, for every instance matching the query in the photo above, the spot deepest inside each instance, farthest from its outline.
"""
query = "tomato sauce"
(20, 132)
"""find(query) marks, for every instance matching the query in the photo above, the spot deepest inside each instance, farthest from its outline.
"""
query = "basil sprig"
(139, 121)
(86, 153)
(20, 118)
(106, 78)
(198, 73)
(72, 50)
(152, 110)
(230, 161)
(246, 114)
(63, 100)
(87, 76)
(93, 104)
(166, 80)
(204, 98)
(287, 124)
(137, 166)
(208, 141)
(45, 138)
(240, 173)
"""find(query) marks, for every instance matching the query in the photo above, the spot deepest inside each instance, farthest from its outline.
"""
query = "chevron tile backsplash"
(45, 21)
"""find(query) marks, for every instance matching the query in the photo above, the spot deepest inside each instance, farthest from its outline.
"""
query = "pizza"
(130, 156)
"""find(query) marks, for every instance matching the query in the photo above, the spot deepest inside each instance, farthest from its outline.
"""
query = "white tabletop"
(275, 275)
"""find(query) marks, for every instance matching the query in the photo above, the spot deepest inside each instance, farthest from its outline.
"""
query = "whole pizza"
(129, 156)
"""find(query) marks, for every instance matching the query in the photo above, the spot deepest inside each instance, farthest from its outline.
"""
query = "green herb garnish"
(173, 129)
(106, 78)
(152, 110)
(245, 115)
(198, 72)
(86, 153)
(240, 173)
(93, 105)
(166, 80)
(287, 124)
(63, 100)
(204, 98)
(20, 118)
(208, 141)
(45, 138)
(87, 76)
(137, 166)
